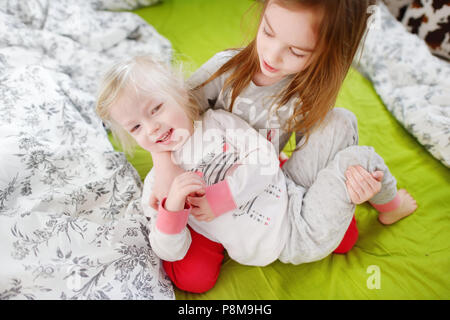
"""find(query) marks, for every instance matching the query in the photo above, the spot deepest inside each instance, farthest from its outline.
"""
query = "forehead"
(294, 24)
(130, 103)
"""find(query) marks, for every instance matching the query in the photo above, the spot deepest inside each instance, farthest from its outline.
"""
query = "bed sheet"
(71, 223)
(408, 260)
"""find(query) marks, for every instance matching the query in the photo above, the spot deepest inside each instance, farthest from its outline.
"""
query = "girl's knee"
(198, 271)
(365, 156)
(192, 278)
(345, 122)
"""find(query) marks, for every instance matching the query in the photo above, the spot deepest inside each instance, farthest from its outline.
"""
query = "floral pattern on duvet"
(71, 224)
(413, 84)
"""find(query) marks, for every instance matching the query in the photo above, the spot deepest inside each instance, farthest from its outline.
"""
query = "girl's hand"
(200, 208)
(361, 185)
(182, 186)
(153, 201)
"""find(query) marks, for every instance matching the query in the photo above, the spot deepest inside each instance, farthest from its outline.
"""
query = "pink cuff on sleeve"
(391, 205)
(220, 198)
(172, 222)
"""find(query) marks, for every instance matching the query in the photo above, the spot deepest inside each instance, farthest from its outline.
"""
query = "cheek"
(260, 44)
(150, 147)
(296, 65)
(180, 119)
(142, 142)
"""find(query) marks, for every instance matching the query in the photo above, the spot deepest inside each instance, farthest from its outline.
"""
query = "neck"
(262, 80)
(163, 163)
(165, 171)
(160, 158)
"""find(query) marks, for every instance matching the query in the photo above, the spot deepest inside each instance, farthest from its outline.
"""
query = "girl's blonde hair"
(317, 86)
(141, 75)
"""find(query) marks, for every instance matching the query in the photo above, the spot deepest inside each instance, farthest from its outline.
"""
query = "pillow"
(397, 7)
(412, 82)
(430, 20)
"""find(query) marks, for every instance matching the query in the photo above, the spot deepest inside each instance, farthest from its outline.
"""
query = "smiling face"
(157, 122)
(285, 41)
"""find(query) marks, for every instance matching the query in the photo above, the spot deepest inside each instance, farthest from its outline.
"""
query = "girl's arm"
(165, 172)
(169, 245)
(245, 181)
(207, 95)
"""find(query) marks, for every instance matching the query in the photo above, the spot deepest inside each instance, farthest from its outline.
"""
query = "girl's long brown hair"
(317, 86)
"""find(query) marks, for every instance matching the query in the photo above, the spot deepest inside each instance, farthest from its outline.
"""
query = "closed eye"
(267, 33)
(296, 54)
(156, 109)
(136, 127)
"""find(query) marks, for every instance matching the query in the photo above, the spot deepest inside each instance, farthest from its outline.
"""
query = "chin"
(272, 75)
(276, 76)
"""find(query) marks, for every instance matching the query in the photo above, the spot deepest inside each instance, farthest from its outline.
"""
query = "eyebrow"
(128, 124)
(296, 47)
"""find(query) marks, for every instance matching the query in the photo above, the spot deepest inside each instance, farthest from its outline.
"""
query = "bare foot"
(407, 206)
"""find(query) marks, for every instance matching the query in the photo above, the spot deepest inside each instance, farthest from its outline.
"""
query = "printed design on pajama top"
(215, 166)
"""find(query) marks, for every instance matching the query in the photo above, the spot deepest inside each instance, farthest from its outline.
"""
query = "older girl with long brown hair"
(287, 80)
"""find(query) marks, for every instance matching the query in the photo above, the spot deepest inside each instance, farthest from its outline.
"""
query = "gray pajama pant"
(320, 209)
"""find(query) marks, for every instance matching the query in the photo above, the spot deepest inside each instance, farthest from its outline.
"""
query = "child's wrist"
(174, 205)
(220, 198)
(171, 222)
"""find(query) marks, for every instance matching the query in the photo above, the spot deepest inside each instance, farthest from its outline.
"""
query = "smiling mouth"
(165, 136)
(268, 67)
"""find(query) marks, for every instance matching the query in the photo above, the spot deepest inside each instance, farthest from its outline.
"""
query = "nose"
(153, 127)
(274, 57)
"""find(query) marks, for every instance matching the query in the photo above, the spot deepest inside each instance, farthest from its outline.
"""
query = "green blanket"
(408, 260)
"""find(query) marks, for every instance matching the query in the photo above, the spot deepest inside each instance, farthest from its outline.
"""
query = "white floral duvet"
(413, 84)
(71, 225)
